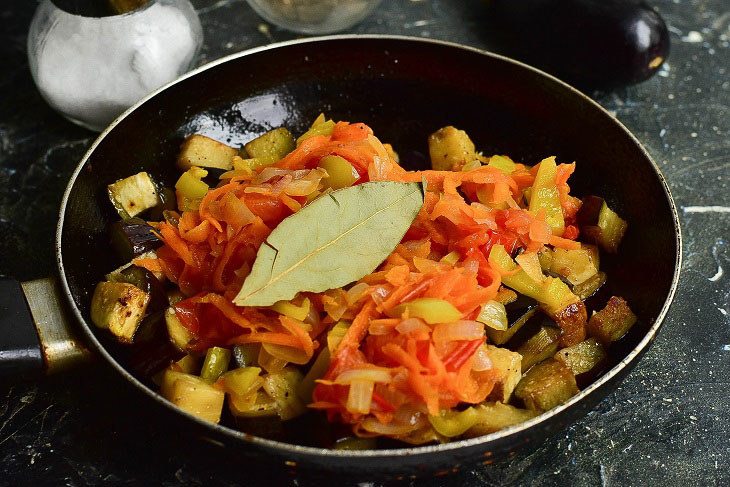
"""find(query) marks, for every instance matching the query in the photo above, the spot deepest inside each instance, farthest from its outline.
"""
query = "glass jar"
(314, 16)
(90, 68)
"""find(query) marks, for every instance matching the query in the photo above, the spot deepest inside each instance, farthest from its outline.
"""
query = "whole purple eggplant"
(590, 43)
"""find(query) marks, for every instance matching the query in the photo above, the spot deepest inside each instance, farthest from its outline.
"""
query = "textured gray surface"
(668, 422)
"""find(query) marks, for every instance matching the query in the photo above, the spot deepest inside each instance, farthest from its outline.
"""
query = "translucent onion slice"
(426, 265)
(285, 353)
(471, 266)
(481, 360)
(356, 292)
(278, 187)
(494, 315)
(360, 396)
(458, 330)
(371, 375)
(235, 211)
(393, 428)
(411, 325)
(531, 265)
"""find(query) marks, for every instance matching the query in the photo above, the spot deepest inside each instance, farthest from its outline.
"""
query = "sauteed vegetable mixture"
(317, 275)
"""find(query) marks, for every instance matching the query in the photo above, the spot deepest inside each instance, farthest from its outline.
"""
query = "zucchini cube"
(450, 148)
(272, 146)
(494, 416)
(133, 195)
(193, 394)
(201, 151)
(509, 365)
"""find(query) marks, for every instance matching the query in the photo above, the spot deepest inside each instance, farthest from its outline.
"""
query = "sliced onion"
(410, 414)
(268, 173)
(335, 306)
(264, 189)
(529, 263)
(278, 187)
(379, 293)
(494, 315)
(378, 329)
(412, 324)
(371, 375)
(235, 211)
(288, 354)
(360, 396)
(372, 425)
(481, 360)
(356, 292)
(458, 330)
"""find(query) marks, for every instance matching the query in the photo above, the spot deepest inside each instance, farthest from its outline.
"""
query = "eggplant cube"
(271, 146)
(612, 322)
(201, 151)
(494, 416)
(119, 307)
(583, 357)
(548, 384)
(509, 365)
(133, 195)
(193, 394)
(575, 265)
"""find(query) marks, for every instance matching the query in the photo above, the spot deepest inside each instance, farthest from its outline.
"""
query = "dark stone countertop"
(669, 422)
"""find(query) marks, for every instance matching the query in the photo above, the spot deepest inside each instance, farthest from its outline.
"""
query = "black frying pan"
(404, 89)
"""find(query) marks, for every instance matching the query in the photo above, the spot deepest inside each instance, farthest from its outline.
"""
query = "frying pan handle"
(35, 334)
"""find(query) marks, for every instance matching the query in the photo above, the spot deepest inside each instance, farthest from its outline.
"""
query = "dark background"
(669, 422)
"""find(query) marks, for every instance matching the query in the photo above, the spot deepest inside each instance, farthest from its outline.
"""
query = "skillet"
(404, 88)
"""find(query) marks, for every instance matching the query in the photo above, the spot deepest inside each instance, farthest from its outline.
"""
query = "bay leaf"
(335, 240)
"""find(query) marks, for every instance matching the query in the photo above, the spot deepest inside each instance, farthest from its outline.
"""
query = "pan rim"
(386, 453)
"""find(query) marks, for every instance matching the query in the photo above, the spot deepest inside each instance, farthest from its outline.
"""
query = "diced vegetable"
(119, 307)
(191, 189)
(577, 266)
(572, 320)
(450, 148)
(545, 196)
(509, 366)
(282, 389)
(201, 151)
(189, 364)
(192, 394)
(494, 416)
(540, 346)
(246, 354)
(452, 423)
(132, 237)
(340, 173)
(179, 335)
(606, 229)
(589, 287)
(494, 315)
(451, 258)
(133, 195)
(147, 282)
(548, 384)
(322, 128)
(243, 381)
(215, 363)
(271, 146)
(431, 310)
(583, 357)
(612, 322)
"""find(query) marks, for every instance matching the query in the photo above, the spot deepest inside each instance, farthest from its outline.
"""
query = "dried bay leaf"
(335, 240)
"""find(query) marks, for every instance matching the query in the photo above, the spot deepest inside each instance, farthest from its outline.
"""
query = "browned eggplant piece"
(572, 320)
(612, 322)
(540, 346)
(585, 360)
(147, 282)
(132, 237)
(519, 311)
(152, 350)
(546, 385)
